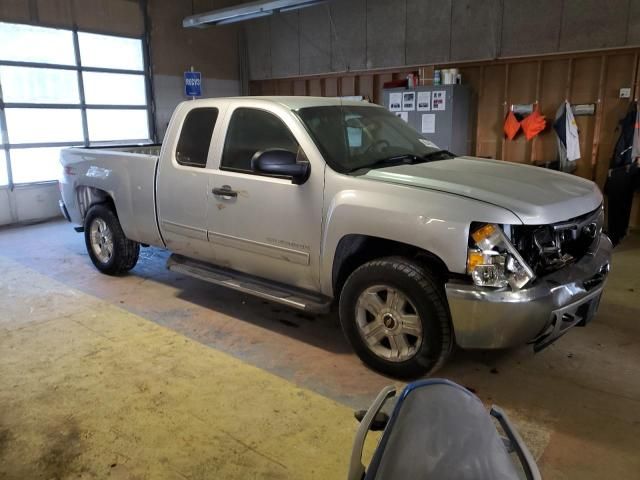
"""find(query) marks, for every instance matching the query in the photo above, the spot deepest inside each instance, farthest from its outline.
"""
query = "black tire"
(125, 252)
(429, 301)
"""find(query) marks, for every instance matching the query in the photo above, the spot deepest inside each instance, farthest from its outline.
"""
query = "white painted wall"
(29, 203)
(6, 215)
(169, 92)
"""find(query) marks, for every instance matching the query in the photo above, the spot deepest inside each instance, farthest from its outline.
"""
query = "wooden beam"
(635, 80)
(532, 152)
(505, 109)
(477, 116)
(599, 114)
(567, 87)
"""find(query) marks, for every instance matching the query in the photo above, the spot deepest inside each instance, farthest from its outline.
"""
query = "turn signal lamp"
(494, 261)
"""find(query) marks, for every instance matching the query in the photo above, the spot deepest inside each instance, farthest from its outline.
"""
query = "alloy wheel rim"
(101, 240)
(389, 323)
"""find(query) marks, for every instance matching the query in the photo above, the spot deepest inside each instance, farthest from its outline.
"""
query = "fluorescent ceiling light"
(301, 5)
(247, 11)
(243, 18)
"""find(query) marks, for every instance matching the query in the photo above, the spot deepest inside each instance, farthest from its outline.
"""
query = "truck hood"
(536, 195)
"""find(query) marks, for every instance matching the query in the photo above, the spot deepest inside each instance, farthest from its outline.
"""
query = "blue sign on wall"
(192, 84)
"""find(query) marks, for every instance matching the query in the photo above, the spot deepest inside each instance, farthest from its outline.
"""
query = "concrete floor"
(153, 375)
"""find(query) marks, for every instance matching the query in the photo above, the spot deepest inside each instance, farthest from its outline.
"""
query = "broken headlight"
(493, 262)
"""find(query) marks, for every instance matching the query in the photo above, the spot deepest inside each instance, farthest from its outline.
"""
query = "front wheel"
(395, 316)
(110, 251)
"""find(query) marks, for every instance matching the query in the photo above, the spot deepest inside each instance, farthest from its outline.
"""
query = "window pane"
(107, 125)
(195, 137)
(114, 89)
(106, 51)
(251, 130)
(31, 125)
(24, 43)
(39, 85)
(4, 176)
(35, 164)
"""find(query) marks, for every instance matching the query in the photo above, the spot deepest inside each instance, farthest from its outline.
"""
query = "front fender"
(434, 221)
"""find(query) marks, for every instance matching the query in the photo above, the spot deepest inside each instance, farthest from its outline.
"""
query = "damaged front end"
(529, 284)
(549, 248)
(499, 256)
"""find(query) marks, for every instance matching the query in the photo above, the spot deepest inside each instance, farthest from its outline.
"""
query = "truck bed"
(126, 174)
(151, 149)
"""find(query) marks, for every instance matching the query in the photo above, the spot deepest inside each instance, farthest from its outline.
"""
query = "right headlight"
(492, 261)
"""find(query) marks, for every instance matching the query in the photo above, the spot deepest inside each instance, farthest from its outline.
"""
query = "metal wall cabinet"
(449, 121)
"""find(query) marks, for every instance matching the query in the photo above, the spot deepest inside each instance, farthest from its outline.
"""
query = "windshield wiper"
(407, 159)
(438, 155)
(389, 161)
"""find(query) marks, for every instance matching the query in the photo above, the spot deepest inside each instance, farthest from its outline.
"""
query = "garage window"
(62, 88)
(35, 164)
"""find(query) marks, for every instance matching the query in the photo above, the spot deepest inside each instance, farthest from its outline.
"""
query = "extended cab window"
(195, 137)
(250, 131)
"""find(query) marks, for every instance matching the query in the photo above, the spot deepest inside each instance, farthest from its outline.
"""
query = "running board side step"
(251, 285)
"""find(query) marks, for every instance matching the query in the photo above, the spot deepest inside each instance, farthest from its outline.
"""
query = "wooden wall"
(594, 77)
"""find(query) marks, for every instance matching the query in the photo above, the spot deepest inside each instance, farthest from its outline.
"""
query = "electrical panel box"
(441, 114)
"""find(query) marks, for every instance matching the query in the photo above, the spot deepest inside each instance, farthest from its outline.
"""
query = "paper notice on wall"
(409, 101)
(424, 101)
(439, 100)
(428, 123)
(395, 101)
(403, 115)
(354, 136)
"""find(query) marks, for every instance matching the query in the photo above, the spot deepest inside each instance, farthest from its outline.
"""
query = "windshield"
(351, 138)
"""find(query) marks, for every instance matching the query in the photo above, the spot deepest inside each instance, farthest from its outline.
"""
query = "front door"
(263, 225)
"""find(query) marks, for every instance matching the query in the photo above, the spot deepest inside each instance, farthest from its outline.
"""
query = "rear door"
(270, 227)
(183, 183)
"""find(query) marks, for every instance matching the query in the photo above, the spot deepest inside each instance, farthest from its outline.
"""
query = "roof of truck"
(295, 103)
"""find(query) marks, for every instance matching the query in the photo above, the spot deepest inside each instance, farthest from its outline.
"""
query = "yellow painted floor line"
(89, 390)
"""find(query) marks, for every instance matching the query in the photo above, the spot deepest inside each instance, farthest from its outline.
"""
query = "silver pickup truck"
(312, 202)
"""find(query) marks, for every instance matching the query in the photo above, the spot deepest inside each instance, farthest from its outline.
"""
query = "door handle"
(225, 191)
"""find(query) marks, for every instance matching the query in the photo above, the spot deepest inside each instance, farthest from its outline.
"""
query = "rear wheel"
(110, 251)
(395, 315)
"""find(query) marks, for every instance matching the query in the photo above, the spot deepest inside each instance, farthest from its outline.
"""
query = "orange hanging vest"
(511, 125)
(533, 124)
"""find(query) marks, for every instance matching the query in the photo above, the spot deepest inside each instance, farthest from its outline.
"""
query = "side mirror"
(281, 163)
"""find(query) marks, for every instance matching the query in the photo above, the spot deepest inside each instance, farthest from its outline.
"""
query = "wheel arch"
(89, 196)
(354, 250)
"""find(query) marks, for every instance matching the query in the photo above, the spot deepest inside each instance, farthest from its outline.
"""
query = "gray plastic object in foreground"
(439, 430)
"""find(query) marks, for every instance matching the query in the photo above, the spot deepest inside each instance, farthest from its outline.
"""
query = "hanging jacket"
(573, 138)
(621, 184)
(635, 146)
(568, 138)
(559, 126)
(623, 150)
(624, 175)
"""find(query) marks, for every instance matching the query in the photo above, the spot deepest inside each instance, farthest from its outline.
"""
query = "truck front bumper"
(488, 318)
